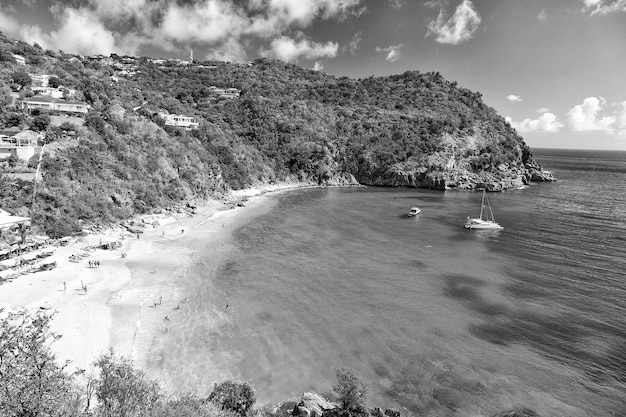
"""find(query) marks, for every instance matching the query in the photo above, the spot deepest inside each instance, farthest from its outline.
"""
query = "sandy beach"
(125, 303)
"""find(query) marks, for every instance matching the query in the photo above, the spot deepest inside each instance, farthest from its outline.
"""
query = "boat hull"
(482, 225)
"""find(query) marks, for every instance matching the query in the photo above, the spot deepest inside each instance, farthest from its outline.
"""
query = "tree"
(350, 388)
(54, 82)
(40, 122)
(233, 396)
(31, 382)
(122, 390)
(22, 79)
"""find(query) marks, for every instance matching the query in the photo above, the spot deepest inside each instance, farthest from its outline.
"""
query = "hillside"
(277, 122)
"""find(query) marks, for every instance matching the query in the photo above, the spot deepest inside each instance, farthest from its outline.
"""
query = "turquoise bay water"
(438, 320)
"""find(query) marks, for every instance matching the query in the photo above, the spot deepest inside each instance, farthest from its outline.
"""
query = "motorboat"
(414, 211)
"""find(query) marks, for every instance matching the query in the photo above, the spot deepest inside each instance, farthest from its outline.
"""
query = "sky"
(556, 69)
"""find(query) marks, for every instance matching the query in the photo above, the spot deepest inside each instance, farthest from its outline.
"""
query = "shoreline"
(126, 298)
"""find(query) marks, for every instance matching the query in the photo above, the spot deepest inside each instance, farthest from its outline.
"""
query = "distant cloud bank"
(227, 27)
(547, 122)
(593, 114)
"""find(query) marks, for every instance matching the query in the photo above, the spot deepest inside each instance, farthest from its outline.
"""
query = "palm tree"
(22, 229)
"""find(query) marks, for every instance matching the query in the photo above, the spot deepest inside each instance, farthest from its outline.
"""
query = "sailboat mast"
(482, 206)
(491, 212)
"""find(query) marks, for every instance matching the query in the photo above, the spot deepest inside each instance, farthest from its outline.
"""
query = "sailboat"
(485, 220)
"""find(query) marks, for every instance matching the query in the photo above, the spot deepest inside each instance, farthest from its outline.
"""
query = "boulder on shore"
(312, 405)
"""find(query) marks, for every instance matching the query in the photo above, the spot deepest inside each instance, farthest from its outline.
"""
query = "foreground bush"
(31, 382)
(233, 396)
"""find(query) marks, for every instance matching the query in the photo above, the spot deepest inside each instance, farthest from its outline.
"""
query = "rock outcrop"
(312, 405)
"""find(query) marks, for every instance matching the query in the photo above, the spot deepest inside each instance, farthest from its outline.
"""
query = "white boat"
(414, 211)
(485, 220)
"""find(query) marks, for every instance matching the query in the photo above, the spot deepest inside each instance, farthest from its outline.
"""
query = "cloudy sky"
(555, 68)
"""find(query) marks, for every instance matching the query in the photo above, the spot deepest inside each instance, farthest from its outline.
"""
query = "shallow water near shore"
(437, 319)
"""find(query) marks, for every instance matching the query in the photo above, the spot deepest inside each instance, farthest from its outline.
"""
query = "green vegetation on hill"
(288, 123)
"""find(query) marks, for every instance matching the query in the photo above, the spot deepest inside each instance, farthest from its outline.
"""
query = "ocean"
(436, 319)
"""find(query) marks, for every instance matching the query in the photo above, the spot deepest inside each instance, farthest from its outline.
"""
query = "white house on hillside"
(53, 105)
(180, 120)
(40, 80)
(22, 144)
(19, 59)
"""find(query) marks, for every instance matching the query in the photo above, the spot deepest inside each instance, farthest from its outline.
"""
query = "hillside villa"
(179, 120)
(19, 59)
(40, 80)
(228, 93)
(22, 144)
(53, 105)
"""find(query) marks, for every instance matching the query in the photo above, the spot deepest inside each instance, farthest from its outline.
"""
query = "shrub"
(31, 382)
(123, 390)
(190, 406)
(350, 388)
(234, 396)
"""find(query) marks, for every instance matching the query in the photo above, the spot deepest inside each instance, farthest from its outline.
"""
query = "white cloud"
(94, 37)
(355, 42)
(318, 66)
(547, 122)
(290, 50)
(514, 99)
(586, 116)
(397, 4)
(225, 27)
(602, 7)
(8, 24)
(231, 50)
(393, 52)
(542, 16)
(208, 21)
(271, 17)
(621, 116)
(543, 110)
(458, 28)
(621, 120)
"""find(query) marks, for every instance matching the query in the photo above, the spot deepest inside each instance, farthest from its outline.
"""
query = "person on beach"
(64, 286)
(155, 270)
(160, 299)
(85, 289)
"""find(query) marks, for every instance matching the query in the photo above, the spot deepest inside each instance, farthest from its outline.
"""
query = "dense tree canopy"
(412, 129)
